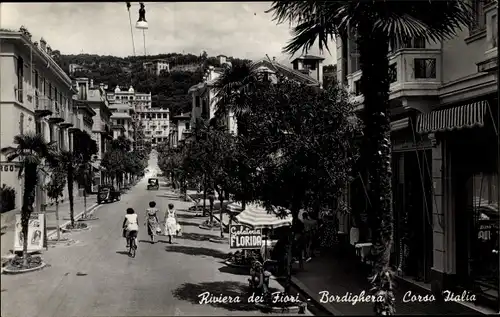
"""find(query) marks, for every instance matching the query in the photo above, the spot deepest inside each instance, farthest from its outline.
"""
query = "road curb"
(313, 297)
(89, 210)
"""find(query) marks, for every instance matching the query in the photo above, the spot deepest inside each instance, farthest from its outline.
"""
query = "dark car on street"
(107, 194)
(153, 183)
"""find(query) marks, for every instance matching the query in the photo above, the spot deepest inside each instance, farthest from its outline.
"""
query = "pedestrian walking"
(152, 221)
(171, 225)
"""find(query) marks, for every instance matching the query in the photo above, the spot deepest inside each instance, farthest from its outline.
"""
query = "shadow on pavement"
(195, 236)
(196, 251)
(233, 270)
(216, 292)
(122, 252)
(187, 223)
(192, 215)
(146, 241)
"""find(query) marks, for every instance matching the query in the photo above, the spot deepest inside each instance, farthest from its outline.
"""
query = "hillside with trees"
(168, 90)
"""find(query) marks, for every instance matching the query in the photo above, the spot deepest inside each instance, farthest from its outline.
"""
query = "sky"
(239, 29)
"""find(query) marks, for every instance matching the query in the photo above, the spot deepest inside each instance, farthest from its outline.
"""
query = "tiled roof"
(287, 70)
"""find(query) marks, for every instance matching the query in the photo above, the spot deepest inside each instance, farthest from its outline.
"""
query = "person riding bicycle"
(130, 226)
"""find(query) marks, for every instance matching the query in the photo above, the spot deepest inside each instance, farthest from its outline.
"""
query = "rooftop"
(307, 56)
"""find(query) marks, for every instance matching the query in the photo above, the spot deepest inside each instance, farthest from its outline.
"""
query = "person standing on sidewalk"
(170, 222)
(152, 221)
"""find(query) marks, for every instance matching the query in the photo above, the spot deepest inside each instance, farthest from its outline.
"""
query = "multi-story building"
(443, 105)
(154, 122)
(178, 125)
(94, 98)
(122, 120)
(203, 94)
(36, 96)
(157, 66)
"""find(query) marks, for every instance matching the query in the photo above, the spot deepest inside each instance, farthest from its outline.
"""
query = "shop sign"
(484, 232)
(8, 168)
(243, 237)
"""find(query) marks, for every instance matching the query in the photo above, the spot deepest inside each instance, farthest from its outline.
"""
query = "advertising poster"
(243, 237)
(36, 233)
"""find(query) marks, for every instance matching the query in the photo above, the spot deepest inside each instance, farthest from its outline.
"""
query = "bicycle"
(131, 242)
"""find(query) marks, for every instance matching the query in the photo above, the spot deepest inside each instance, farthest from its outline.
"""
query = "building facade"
(122, 121)
(36, 96)
(157, 66)
(153, 122)
(204, 95)
(178, 125)
(91, 97)
(443, 105)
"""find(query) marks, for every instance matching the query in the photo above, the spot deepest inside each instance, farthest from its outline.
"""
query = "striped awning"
(234, 207)
(257, 217)
(466, 116)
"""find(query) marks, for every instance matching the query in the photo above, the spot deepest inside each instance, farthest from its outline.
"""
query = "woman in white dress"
(170, 222)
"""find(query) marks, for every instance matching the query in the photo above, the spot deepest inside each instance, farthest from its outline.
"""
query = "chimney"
(43, 44)
(274, 59)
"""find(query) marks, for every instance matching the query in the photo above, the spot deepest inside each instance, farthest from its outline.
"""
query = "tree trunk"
(30, 181)
(57, 221)
(70, 196)
(376, 150)
(211, 209)
(221, 199)
(204, 198)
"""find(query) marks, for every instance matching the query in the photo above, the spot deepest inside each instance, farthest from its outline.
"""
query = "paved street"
(94, 277)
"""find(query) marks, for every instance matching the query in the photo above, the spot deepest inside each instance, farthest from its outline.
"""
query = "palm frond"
(433, 20)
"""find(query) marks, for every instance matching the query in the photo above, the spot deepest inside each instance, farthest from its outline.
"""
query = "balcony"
(412, 72)
(75, 123)
(68, 120)
(57, 113)
(490, 62)
(43, 106)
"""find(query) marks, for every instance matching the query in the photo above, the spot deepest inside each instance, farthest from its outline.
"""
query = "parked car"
(153, 183)
(107, 193)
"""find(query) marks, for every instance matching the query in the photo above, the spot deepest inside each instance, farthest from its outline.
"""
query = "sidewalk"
(7, 238)
(339, 276)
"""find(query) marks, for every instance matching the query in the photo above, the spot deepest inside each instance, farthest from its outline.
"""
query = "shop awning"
(257, 217)
(466, 116)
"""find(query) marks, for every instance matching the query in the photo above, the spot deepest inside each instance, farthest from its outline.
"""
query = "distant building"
(179, 128)
(153, 122)
(73, 68)
(156, 66)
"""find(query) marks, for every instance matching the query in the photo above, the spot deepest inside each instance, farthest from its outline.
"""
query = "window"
(20, 79)
(21, 123)
(37, 83)
(197, 101)
(393, 73)
(187, 125)
(478, 25)
(165, 116)
(494, 31)
(424, 67)
(61, 138)
(357, 87)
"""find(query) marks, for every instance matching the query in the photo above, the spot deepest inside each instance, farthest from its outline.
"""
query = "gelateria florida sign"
(244, 237)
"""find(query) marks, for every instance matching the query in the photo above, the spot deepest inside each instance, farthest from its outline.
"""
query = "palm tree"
(376, 23)
(55, 189)
(233, 94)
(70, 162)
(31, 151)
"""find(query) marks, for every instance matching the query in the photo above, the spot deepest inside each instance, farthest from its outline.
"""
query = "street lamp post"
(142, 24)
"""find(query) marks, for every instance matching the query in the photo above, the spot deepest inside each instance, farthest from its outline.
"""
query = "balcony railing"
(412, 72)
(57, 113)
(43, 106)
